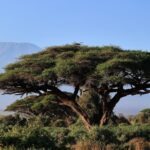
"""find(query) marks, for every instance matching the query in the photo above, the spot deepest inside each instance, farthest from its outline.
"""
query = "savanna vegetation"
(51, 117)
(38, 132)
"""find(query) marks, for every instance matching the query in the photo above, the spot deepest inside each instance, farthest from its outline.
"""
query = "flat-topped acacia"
(110, 72)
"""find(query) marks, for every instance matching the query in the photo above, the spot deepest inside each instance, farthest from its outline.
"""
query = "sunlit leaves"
(77, 64)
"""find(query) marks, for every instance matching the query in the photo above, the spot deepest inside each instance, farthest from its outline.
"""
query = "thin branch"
(75, 92)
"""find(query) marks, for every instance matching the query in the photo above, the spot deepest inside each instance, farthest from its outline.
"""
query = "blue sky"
(94, 22)
(125, 23)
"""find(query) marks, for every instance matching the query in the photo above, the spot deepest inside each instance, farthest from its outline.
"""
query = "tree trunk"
(83, 116)
(106, 111)
(80, 112)
(100, 119)
(105, 118)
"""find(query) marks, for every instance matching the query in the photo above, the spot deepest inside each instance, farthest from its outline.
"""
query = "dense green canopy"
(108, 70)
(73, 64)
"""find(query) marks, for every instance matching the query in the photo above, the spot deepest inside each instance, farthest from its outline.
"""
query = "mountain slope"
(10, 51)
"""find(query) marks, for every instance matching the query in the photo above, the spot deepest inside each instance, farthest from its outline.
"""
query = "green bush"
(126, 133)
(9, 140)
(38, 138)
(102, 135)
(60, 136)
(37, 134)
(26, 137)
(143, 117)
(13, 120)
(78, 132)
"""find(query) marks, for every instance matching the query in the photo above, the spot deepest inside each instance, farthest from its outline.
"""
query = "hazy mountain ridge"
(10, 51)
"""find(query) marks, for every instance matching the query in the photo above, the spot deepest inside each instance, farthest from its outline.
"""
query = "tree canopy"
(109, 71)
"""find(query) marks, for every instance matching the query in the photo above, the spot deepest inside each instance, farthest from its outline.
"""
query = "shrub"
(26, 137)
(60, 136)
(36, 134)
(13, 120)
(102, 135)
(142, 117)
(126, 133)
(78, 132)
(9, 140)
(38, 138)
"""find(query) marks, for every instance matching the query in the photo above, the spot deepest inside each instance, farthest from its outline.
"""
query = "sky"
(124, 23)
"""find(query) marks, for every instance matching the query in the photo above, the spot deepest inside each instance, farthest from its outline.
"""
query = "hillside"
(10, 51)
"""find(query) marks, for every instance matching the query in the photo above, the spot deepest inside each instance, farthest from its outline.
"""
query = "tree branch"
(77, 87)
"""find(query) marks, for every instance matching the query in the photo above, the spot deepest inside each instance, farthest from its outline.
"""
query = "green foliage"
(143, 117)
(102, 69)
(26, 138)
(36, 136)
(102, 136)
(146, 111)
(9, 140)
(106, 70)
(23, 103)
(76, 63)
(13, 120)
(78, 132)
(61, 137)
(126, 133)
(44, 105)
(90, 101)
(65, 67)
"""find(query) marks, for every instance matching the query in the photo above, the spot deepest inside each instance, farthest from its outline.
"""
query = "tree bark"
(83, 115)
(106, 111)
(105, 118)
(80, 112)
(71, 102)
(108, 108)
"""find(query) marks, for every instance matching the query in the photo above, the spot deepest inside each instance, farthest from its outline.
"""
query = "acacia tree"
(112, 73)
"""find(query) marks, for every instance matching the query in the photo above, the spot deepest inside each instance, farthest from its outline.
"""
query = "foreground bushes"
(57, 138)
(113, 138)
(27, 137)
(142, 117)
(36, 133)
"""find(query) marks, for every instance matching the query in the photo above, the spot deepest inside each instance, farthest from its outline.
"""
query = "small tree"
(109, 72)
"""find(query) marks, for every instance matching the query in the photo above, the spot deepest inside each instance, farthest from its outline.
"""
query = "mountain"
(10, 51)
